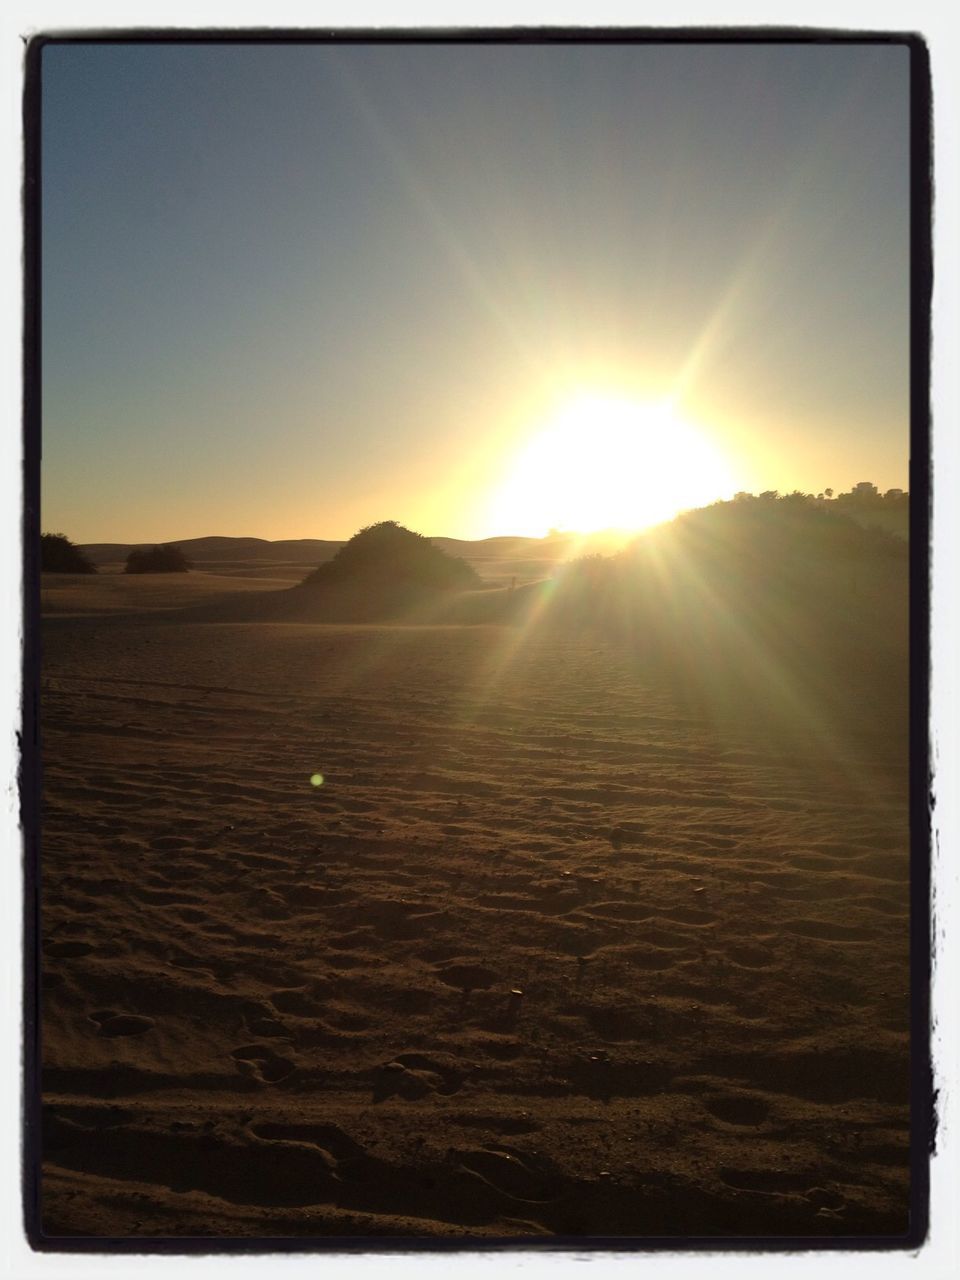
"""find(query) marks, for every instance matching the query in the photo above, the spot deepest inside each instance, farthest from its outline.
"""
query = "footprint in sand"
(67, 950)
(169, 842)
(689, 915)
(748, 957)
(414, 1075)
(514, 1174)
(738, 1109)
(651, 959)
(111, 1023)
(626, 833)
(828, 931)
(396, 1080)
(328, 1137)
(295, 1000)
(267, 1027)
(261, 1063)
(467, 977)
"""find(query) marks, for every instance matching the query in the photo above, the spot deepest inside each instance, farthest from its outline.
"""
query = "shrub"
(59, 555)
(165, 559)
(388, 555)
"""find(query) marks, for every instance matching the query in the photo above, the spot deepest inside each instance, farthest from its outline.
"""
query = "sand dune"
(546, 953)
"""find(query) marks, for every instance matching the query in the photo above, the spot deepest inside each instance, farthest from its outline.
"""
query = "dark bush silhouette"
(388, 556)
(756, 552)
(59, 555)
(779, 605)
(165, 559)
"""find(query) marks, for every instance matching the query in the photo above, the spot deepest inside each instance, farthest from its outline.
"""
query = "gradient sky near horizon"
(290, 290)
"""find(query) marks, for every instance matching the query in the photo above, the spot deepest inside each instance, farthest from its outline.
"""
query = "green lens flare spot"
(316, 780)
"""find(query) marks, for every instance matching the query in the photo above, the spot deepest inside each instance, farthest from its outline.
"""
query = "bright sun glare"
(609, 462)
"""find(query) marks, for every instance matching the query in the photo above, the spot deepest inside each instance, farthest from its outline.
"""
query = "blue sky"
(291, 290)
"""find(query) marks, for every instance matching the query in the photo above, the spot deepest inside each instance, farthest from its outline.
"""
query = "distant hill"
(499, 560)
(218, 551)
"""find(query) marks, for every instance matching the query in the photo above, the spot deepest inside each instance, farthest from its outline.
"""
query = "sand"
(114, 592)
(546, 954)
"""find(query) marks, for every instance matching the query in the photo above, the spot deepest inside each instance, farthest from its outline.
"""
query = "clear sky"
(292, 290)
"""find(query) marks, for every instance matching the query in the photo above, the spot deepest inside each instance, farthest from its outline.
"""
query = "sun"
(609, 462)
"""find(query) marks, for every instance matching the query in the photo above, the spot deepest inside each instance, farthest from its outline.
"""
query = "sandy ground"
(544, 953)
(114, 592)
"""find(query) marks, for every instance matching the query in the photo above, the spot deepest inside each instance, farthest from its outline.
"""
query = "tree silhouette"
(865, 489)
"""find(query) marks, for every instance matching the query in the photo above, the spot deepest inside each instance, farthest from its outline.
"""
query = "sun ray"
(678, 572)
(764, 248)
(418, 192)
